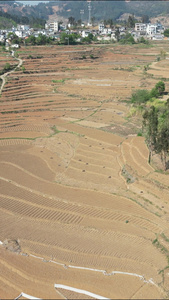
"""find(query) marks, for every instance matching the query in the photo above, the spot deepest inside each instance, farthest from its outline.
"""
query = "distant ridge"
(100, 10)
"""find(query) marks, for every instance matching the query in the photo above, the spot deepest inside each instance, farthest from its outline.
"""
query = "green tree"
(160, 87)
(14, 38)
(154, 93)
(79, 22)
(145, 19)
(150, 125)
(7, 67)
(68, 38)
(166, 32)
(110, 22)
(131, 22)
(142, 40)
(71, 20)
(31, 40)
(117, 34)
(43, 39)
(89, 38)
(127, 39)
(162, 145)
(93, 20)
(140, 96)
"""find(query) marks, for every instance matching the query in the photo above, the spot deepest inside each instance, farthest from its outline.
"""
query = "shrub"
(7, 67)
(160, 87)
(142, 40)
(140, 96)
(166, 32)
(127, 39)
(154, 93)
(162, 54)
(139, 134)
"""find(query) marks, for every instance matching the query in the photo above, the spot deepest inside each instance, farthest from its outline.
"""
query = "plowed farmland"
(80, 205)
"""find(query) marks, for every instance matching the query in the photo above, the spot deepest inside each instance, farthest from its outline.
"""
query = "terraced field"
(79, 204)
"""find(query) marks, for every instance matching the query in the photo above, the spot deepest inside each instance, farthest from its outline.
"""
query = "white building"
(54, 26)
(23, 27)
(101, 27)
(158, 37)
(151, 29)
(85, 33)
(113, 35)
(19, 33)
(160, 28)
(106, 31)
(140, 27)
(2, 38)
(14, 46)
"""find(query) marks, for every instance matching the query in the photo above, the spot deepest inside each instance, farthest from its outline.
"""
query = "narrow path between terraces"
(3, 77)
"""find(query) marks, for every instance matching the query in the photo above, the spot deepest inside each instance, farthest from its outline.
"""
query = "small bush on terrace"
(140, 96)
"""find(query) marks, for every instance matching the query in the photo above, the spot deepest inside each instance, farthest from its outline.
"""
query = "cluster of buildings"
(24, 31)
(148, 31)
(151, 31)
(102, 32)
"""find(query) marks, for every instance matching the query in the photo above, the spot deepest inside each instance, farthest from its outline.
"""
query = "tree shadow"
(167, 165)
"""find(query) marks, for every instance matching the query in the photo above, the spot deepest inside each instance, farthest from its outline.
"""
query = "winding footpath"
(3, 77)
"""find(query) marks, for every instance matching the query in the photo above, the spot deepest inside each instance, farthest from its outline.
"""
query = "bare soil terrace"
(79, 203)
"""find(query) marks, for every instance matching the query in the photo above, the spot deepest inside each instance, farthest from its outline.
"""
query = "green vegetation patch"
(58, 81)
(155, 122)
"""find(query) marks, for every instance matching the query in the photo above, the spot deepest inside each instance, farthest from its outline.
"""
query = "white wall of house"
(158, 37)
(19, 33)
(151, 29)
(101, 27)
(2, 38)
(54, 26)
(23, 27)
(85, 33)
(140, 27)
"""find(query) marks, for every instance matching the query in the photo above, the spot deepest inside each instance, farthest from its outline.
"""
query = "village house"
(53, 26)
(151, 31)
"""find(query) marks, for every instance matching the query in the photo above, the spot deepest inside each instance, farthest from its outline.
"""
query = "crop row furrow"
(88, 256)
(35, 212)
(7, 142)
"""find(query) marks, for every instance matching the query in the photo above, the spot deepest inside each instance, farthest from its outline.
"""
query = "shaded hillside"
(100, 10)
(112, 9)
(6, 22)
(12, 14)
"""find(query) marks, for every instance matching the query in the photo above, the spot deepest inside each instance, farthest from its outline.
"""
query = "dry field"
(79, 204)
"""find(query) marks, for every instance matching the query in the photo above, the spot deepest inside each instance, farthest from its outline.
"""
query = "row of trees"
(65, 39)
(155, 124)
(156, 127)
(40, 40)
(69, 39)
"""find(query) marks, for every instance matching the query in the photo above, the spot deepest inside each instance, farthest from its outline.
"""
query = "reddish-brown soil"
(76, 188)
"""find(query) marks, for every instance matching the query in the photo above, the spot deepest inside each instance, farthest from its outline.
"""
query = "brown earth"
(76, 187)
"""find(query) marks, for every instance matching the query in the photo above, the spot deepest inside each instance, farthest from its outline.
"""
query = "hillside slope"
(100, 10)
